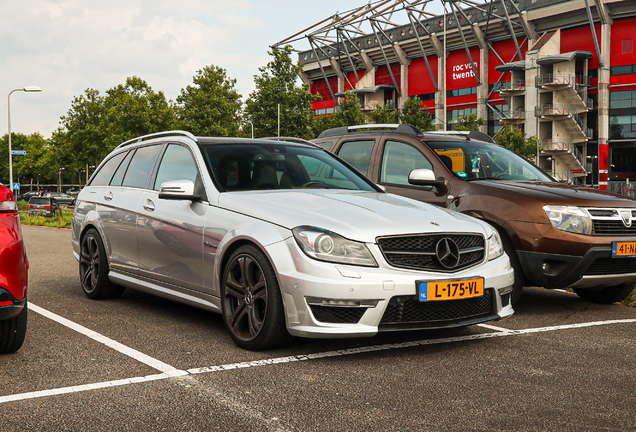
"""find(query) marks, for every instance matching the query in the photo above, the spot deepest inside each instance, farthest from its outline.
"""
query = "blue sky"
(67, 46)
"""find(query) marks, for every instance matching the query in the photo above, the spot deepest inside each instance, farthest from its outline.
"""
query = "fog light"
(545, 267)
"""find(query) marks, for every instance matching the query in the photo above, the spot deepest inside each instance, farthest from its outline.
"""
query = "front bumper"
(596, 269)
(337, 300)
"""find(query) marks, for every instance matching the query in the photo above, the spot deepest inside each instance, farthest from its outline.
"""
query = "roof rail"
(476, 135)
(291, 139)
(344, 130)
(157, 134)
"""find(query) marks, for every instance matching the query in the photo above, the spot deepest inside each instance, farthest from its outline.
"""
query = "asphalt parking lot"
(144, 363)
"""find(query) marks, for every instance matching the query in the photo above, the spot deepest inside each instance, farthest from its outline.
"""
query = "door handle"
(108, 196)
(149, 205)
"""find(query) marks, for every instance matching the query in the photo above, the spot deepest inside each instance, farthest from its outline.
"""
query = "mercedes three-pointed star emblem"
(447, 253)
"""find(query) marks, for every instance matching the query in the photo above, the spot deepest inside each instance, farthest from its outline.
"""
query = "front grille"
(417, 252)
(337, 315)
(611, 266)
(409, 310)
(612, 227)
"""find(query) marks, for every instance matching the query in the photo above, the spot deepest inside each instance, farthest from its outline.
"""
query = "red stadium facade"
(563, 71)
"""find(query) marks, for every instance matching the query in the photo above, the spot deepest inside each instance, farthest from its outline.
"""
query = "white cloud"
(67, 46)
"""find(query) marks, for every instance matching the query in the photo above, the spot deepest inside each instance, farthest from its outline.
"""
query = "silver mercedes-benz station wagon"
(283, 239)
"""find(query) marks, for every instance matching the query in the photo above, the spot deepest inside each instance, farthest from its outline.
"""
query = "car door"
(118, 202)
(396, 160)
(170, 232)
(358, 153)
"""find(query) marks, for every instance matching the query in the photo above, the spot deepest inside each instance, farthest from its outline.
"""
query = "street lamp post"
(251, 124)
(24, 89)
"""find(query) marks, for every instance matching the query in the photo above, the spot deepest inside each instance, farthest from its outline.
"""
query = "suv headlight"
(570, 219)
(495, 247)
(324, 245)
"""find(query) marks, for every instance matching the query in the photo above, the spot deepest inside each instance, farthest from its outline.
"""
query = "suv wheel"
(253, 309)
(13, 331)
(606, 295)
(93, 269)
(517, 287)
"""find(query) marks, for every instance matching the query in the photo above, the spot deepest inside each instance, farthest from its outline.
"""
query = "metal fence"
(626, 188)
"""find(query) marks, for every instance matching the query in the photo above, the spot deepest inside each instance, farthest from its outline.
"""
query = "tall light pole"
(251, 124)
(24, 89)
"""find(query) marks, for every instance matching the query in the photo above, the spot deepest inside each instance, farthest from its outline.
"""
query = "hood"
(360, 216)
(561, 194)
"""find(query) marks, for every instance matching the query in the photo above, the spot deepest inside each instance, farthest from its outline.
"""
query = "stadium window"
(622, 70)
(623, 99)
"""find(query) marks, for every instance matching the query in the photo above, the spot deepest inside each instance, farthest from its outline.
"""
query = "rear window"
(39, 200)
(106, 171)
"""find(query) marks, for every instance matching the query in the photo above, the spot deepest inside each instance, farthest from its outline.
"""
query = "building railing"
(626, 188)
(509, 85)
(551, 79)
(568, 146)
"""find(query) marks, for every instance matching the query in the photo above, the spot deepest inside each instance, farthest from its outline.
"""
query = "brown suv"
(557, 236)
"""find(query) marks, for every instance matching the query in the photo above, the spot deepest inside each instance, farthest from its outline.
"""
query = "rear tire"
(606, 295)
(520, 280)
(253, 309)
(13, 331)
(93, 268)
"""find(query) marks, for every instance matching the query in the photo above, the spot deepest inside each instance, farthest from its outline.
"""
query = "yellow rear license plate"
(624, 249)
(450, 289)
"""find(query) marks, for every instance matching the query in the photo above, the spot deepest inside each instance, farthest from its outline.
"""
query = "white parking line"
(288, 359)
(492, 327)
(130, 352)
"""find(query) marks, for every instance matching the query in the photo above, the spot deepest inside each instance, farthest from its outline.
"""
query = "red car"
(14, 267)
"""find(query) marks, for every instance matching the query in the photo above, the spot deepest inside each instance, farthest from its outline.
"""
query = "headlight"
(495, 247)
(326, 246)
(570, 219)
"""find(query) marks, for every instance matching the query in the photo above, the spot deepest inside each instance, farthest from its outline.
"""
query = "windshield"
(244, 167)
(470, 160)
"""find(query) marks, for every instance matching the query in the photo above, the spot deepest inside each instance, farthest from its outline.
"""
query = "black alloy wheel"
(253, 310)
(93, 268)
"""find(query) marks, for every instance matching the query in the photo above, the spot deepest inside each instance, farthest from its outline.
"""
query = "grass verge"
(62, 219)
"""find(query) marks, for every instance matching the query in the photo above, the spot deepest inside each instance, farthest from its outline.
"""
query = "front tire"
(13, 331)
(253, 309)
(606, 295)
(93, 268)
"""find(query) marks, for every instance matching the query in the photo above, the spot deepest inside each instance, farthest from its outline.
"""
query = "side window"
(177, 164)
(141, 166)
(119, 174)
(398, 160)
(358, 154)
(326, 145)
(106, 171)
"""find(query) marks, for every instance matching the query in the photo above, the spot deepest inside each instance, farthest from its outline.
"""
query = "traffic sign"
(18, 152)
(16, 186)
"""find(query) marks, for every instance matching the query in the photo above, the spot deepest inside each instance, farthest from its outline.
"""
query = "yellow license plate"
(450, 289)
(624, 249)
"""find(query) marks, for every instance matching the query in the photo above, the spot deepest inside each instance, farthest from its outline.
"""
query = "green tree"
(413, 114)
(83, 130)
(349, 112)
(277, 85)
(133, 109)
(384, 115)
(211, 106)
(469, 122)
(319, 124)
(515, 140)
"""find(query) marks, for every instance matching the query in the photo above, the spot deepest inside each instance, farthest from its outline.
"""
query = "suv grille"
(611, 266)
(409, 310)
(428, 251)
(609, 221)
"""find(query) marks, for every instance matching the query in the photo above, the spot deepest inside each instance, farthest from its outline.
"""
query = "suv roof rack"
(291, 139)
(399, 128)
(155, 135)
(480, 136)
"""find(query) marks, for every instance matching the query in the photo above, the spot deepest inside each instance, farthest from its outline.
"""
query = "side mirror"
(426, 177)
(178, 190)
